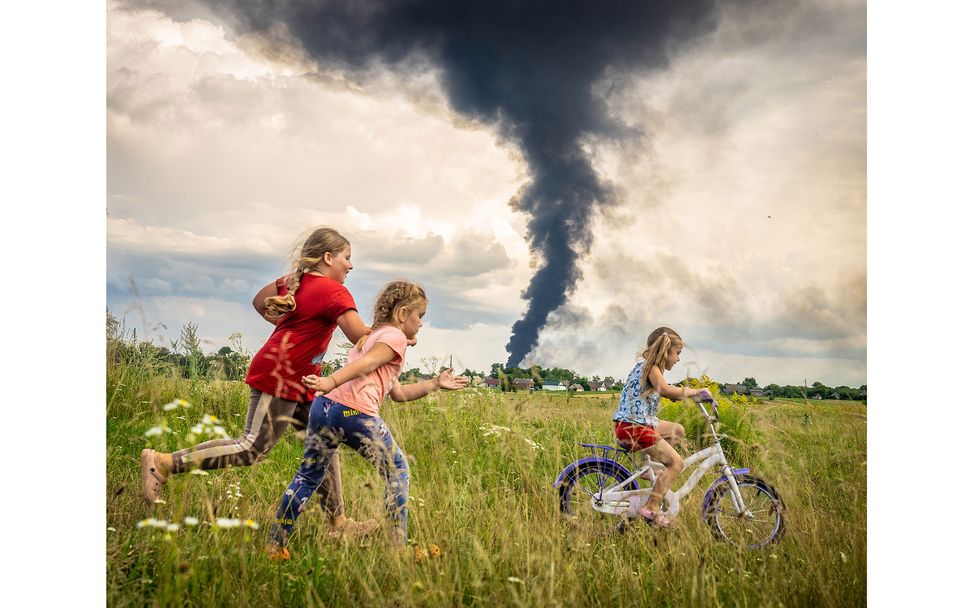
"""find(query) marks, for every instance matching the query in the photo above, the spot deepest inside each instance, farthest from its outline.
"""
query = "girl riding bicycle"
(639, 430)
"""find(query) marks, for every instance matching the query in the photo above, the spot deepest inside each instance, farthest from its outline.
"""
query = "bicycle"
(739, 508)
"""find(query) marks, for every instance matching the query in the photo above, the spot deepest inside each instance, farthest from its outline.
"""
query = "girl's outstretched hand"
(450, 382)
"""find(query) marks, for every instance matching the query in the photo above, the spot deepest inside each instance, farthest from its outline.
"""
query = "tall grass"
(482, 466)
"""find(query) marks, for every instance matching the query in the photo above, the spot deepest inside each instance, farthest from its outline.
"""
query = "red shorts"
(635, 437)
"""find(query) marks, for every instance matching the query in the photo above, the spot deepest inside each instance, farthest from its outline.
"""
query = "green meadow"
(482, 467)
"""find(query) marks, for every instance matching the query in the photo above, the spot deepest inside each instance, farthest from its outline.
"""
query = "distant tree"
(192, 361)
(750, 383)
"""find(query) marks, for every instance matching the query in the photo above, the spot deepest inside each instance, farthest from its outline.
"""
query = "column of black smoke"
(527, 66)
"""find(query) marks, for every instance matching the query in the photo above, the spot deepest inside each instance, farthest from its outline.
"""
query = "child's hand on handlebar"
(704, 395)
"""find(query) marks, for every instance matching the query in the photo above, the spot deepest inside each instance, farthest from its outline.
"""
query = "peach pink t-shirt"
(365, 394)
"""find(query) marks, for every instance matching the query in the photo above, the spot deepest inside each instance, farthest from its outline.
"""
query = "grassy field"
(482, 466)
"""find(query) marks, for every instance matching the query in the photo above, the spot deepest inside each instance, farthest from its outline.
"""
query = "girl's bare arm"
(378, 355)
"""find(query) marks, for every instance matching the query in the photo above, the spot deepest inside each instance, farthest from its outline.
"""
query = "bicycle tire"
(765, 526)
(587, 480)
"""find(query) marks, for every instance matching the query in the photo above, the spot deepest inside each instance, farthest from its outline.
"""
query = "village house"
(554, 385)
(492, 382)
(523, 384)
(730, 389)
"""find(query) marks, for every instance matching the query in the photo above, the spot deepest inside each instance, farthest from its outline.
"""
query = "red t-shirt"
(298, 343)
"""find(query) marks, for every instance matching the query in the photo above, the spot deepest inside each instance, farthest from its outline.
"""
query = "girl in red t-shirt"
(305, 306)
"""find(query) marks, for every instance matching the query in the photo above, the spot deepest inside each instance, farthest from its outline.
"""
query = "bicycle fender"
(605, 465)
(717, 482)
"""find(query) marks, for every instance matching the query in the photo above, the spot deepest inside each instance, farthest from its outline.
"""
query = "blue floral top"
(633, 408)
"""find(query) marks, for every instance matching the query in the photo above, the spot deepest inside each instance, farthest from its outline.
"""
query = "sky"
(721, 165)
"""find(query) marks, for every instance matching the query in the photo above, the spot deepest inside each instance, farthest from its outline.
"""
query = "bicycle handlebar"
(713, 408)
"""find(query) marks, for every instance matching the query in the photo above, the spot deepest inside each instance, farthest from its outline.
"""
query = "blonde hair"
(322, 240)
(659, 342)
(395, 295)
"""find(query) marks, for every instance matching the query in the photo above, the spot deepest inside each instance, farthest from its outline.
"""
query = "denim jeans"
(330, 424)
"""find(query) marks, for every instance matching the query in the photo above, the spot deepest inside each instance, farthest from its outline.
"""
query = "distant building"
(576, 387)
(758, 392)
(523, 383)
(492, 382)
(599, 386)
(730, 389)
(554, 385)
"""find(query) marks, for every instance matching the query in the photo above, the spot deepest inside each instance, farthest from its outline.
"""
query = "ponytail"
(321, 241)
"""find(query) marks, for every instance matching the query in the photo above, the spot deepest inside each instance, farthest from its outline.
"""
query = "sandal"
(658, 520)
(152, 481)
(276, 552)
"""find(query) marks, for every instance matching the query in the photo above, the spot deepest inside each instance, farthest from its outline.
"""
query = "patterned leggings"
(330, 424)
(267, 419)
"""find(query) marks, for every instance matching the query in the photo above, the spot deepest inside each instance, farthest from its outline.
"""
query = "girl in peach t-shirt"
(349, 412)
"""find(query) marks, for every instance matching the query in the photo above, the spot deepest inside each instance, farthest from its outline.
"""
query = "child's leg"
(267, 419)
(672, 432)
(330, 491)
(662, 452)
(370, 437)
(319, 448)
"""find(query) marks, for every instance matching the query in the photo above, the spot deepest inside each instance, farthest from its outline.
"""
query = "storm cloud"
(529, 68)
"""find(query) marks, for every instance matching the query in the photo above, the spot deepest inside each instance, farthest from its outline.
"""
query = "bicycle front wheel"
(761, 523)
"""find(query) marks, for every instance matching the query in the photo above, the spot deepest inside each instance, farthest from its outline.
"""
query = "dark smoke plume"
(528, 67)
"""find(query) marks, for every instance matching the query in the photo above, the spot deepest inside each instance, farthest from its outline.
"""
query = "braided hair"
(321, 241)
(395, 295)
(659, 342)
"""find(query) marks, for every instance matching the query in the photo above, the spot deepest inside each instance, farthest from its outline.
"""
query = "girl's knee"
(676, 464)
(679, 431)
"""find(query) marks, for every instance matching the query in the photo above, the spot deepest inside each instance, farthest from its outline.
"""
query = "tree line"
(184, 357)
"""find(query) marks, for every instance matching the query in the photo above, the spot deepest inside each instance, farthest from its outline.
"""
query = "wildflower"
(174, 404)
(514, 579)
(198, 472)
(226, 523)
(843, 556)
(158, 501)
(191, 521)
(111, 529)
(156, 430)
(152, 522)
(534, 445)
(253, 525)
(172, 527)
(494, 430)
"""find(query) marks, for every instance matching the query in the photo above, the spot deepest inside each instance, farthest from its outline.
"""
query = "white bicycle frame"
(617, 501)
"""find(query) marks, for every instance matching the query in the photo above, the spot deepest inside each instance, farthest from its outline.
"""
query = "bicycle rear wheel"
(761, 524)
(589, 480)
